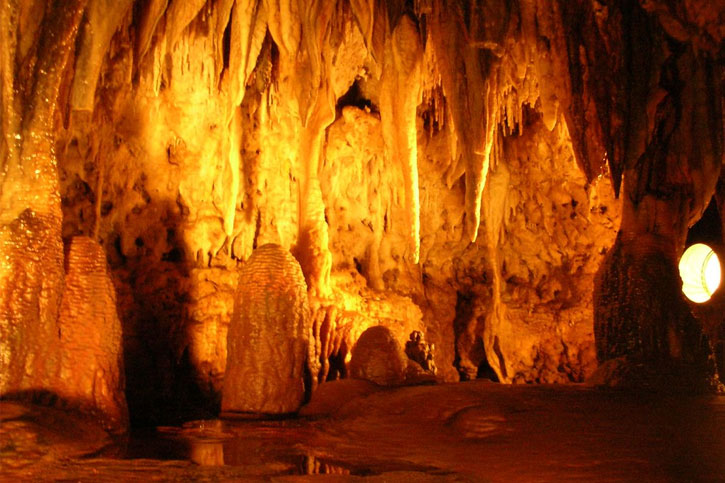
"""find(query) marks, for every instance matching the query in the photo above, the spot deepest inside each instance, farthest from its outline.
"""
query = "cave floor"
(475, 431)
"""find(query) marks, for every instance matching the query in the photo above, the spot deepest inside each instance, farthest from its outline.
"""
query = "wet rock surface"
(31, 285)
(465, 432)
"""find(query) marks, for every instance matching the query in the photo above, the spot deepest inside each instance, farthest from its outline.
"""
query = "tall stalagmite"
(270, 341)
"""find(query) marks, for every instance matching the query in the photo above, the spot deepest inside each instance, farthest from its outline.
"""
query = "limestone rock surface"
(269, 336)
(31, 285)
(377, 357)
(91, 350)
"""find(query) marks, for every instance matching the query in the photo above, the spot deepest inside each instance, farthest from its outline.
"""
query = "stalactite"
(222, 17)
(178, 16)
(400, 97)
(153, 12)
(102, 19)
(462, 67)
(248, 31)
(10, 142)
(283, 19)
(235, 135)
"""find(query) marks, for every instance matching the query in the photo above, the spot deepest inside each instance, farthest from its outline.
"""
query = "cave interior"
(261, 238)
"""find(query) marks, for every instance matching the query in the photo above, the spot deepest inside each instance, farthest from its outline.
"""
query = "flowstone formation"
(270, 337)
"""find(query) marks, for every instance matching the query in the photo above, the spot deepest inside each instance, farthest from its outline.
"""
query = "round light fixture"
(700, 272)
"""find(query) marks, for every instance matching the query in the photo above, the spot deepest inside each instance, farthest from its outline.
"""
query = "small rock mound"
(377, 357)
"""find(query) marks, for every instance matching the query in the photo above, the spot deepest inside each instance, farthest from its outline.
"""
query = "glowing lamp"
(700, 272)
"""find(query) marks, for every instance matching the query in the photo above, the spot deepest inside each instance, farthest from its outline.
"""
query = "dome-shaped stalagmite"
(269, 336)
(377, 357)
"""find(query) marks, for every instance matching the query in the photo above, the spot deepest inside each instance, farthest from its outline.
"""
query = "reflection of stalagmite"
(269, 336)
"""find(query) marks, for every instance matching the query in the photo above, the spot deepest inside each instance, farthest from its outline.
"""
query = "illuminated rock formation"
(91, 360)
(670, 175)
(32, 286)
(270, 337)
(457, 168)
(377, 357)
(36, 38)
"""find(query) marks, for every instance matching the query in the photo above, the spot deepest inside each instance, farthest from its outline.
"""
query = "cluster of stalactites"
(484, 61)
(471, 65)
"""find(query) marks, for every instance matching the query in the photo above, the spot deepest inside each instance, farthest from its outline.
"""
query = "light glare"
(700, 272)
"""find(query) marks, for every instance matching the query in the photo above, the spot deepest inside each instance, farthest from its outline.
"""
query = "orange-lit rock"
(32, 282)
(447, 167)
(377, 357)
(91, 365)
(37, 40)
(270, 336)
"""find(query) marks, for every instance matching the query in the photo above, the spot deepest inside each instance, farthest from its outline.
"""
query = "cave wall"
(444, 168)
(166, 194)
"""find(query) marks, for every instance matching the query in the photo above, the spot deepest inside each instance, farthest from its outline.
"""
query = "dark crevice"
(354, 97)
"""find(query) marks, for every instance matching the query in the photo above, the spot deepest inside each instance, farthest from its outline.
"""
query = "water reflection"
(207, 453)
(265, 447)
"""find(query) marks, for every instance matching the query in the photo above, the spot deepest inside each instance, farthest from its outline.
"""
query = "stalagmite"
(378, 357)
(91, 374)
(269, 336)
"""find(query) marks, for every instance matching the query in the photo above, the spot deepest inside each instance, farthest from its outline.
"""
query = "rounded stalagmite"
(268, 338)
(377, 357)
